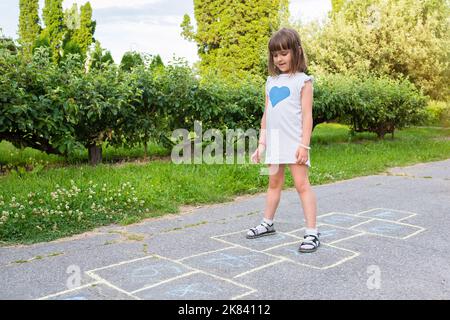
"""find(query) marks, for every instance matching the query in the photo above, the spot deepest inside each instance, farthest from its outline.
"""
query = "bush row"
(58, 108)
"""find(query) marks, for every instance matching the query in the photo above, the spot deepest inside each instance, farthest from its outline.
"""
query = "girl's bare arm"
(307, 115)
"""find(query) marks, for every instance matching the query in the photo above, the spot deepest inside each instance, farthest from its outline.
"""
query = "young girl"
(286, 128)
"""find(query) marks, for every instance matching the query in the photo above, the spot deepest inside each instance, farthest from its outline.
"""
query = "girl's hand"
(301, 155)
(257, 155)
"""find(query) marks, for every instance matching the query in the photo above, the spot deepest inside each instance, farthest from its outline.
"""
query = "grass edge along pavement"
(57, 203)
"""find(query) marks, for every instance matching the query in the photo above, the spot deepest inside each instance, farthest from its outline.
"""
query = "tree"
(83, 35)
(99, 56)
(336, 5)
(7, 44)
(80, 30)
(156, 62)
(400, 39)
(55, 28)
(130, 60)
(231, 34)
(29, 27)
(72, 18)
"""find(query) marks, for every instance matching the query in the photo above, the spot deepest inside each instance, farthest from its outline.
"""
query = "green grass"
(61, 201)
(28, 159)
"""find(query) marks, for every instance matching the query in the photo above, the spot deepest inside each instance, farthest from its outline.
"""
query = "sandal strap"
(265, 225)
(310, 239)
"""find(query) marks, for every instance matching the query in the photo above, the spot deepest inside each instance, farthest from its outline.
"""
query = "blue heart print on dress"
(278, 94)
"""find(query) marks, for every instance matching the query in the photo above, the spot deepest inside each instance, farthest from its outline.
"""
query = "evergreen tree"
(72, 17)
(232, 35)
(55, 28)
(99, 56)
(131, 59)
(29, 27)
(83, 35)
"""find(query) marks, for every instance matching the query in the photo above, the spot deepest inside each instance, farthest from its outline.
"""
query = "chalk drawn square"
(230, 262)
(134, 275)
(197, 286)
(329, 233)
(389, 229)
(262, 243)
(386, 214)
(93, 292)
(341, 219)
(325, 257)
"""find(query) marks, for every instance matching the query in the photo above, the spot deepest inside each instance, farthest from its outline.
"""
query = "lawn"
(62, 197)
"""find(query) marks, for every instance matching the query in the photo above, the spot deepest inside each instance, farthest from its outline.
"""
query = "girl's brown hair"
(285, 39)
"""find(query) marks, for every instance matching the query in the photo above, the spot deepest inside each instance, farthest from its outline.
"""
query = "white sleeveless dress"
(284, 117)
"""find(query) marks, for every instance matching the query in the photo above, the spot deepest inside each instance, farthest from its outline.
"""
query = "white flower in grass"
(30, 202)
(39, 227)
(90, 197)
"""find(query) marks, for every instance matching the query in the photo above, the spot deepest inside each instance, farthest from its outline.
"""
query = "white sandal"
(257, 231)
(310, 243)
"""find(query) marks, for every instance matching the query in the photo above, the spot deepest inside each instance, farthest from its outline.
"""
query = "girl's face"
(282, 60)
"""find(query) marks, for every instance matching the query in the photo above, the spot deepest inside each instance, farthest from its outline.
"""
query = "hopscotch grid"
(281, 245)
(122, 263)
(252, 290)
(164, 281)
(359, 224)
(69, 290)
(259, 268)
(203, 253)
(109, 284)
(280, 259)
(355, 254)
(347, 238)
(401, 211)
(413, 234)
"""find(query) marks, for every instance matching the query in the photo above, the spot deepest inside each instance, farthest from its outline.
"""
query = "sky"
(150, 26)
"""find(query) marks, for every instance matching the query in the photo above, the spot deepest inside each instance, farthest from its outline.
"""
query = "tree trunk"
(95, 154)
(145, 150)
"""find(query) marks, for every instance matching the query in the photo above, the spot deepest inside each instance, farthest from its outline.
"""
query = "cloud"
(101, 4)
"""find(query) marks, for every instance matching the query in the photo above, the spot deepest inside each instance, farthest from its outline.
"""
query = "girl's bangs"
(278, 43)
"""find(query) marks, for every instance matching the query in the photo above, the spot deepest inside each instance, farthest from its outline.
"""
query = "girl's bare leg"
(276, 181)
(308, 198)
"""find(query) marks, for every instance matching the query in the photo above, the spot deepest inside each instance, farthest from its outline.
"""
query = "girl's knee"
(276, 183)
(303, 187)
